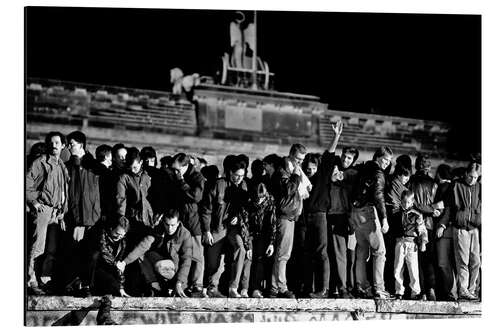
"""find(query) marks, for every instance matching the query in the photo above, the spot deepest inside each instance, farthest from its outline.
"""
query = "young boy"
(412, 236)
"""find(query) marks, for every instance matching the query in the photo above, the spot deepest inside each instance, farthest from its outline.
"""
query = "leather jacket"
(424, 188)
(371, 188)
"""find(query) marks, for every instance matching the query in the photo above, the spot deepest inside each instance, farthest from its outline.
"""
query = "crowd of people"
(302, 225)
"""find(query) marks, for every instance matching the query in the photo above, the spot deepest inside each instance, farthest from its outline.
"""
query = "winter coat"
(46, 182)
(131, 197)
(412, 225)
(220, 204)
(466, 205)
(84, 205)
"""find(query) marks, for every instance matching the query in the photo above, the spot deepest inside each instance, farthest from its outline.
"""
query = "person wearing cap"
(424, 187)
(170, 240)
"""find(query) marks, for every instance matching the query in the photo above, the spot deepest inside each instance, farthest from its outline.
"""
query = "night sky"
(414, 65)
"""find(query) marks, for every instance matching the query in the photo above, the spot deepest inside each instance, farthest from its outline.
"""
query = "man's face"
(120, 156)
(171, 225)
(297, 158)
(107, 160)
(136, 166)
(269, 168)
(384, 161)
(56, 146)
(407, 202)
(182, 169)
(311, 169)
(75, 147)
(346, 159)
(151, 162)
(405, 179)
(237, 176)
(471, 177)
(118, 233)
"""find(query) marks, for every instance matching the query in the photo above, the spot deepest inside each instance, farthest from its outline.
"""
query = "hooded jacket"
(84, 205)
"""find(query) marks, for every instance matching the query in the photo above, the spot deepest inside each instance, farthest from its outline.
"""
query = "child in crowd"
(411, 238)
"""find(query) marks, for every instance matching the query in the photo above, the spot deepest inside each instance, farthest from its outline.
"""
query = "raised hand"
(337, 127)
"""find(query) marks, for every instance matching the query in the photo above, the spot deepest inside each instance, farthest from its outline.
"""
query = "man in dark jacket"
(284, 184)
(169, 241)
(84, 207)
(424, 188)
(156, 193)
(395, 187)
(107, 183)
(107, 247)
(444, 236)
(341, 184)
(222, 205)
(46, 197)
(369, 220)
(131, 197)
(185, 186)
(316, 223)
(466, 215)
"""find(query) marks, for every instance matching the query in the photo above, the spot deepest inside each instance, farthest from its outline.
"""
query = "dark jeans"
(390, 245)
(260, 271)
(426, 262)
(317, 229)
(445, 267)
(239, 261)
(337, 250)
(213, 255)
(104, 279)
(299, 272)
